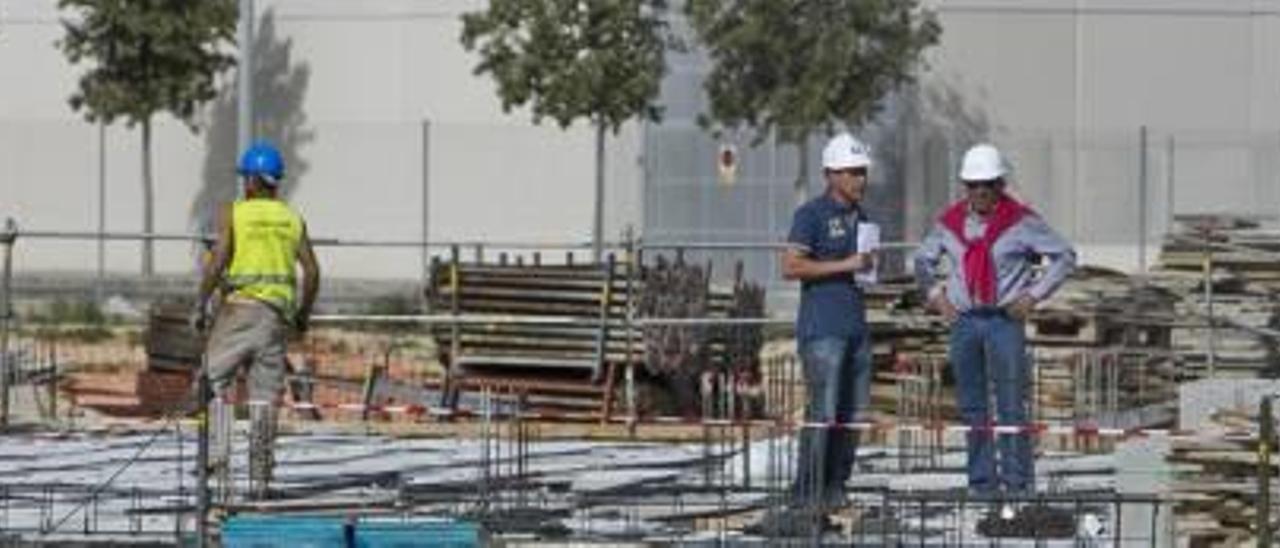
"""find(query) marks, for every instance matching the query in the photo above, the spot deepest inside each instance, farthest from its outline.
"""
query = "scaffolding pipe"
(6, 310)
(202, 457)
(1268, 433)
(418, 244)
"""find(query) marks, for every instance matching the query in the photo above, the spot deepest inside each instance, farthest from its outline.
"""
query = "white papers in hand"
(868, 242)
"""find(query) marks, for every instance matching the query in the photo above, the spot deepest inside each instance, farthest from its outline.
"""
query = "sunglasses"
(855, 171)
(975, 185)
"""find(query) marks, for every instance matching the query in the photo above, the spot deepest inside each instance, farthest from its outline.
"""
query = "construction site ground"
(125, 477)
(118, 482)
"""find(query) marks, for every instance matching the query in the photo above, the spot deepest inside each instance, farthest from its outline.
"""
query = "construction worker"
(259, 241)
(830, 329)
(993, 243)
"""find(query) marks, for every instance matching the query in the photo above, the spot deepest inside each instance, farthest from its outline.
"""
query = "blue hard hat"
(262, 160)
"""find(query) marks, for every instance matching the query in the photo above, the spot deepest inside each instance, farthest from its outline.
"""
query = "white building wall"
(1063, 85)
(367, 75)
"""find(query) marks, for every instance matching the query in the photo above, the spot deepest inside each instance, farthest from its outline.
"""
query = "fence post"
(426, 204)
(7, 238)
(1210, 334)
(1142, 200)
(633, 269)
(1264, 473)
(202, 458)
(1170, 204)
(448, 389)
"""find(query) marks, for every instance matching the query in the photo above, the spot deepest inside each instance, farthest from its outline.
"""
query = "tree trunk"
(148, 202)
(597, 230)
(802, 179)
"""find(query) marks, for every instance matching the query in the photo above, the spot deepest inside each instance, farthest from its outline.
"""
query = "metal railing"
(507, 481)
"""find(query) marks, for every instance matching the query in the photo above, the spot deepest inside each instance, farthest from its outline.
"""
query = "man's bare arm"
(223, 248)
(310, 279)
(796, 265)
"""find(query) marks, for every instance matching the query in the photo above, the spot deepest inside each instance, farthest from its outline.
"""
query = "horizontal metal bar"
(1246, 11)
(448, 319)
(94, 236)
(965, 496)
(520, 319)
(495, 246)
(776, 246)
(419, 244)
(318, 241)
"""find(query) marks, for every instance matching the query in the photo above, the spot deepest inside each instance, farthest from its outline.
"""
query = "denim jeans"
(837, 374)
(988, 347)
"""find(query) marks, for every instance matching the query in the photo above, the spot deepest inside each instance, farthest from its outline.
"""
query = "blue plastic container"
(432, 533)
(339, 532)
(284, 532)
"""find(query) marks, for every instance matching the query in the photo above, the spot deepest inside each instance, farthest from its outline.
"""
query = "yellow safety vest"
(267, 235)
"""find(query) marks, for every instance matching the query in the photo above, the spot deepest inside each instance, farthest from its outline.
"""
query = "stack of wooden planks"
(1226, 269)
(1217, 484)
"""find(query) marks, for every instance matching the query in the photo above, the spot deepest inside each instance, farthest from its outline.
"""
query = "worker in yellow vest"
(260, 239)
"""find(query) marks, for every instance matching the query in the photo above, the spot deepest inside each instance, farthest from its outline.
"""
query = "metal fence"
(732, 476)
(1112, 193)
(509, 485)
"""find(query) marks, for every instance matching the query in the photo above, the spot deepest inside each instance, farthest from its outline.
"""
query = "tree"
(601, 60)
(794, 66)
(148, 56)
(280, 83)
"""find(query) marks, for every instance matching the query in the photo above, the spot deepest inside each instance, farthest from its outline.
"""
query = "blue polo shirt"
(831, 306)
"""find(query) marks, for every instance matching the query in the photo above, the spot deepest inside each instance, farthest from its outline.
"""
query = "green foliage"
(77, 334)
(390, 304)
(799, 65)
(71, 311)
(597, 59)
(76, 320)
(147, 56)
(393, 304)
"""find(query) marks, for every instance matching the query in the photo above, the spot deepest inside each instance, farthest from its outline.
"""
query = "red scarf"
(979, 265)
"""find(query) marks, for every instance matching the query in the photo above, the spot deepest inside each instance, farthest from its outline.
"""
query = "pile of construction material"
(172, 344)
(163, 385)
(906, 340)
(677, 356)
(1225, 268)
(1101, 346)
(1217, 483)
(899, 321)
(568, 364)
(571, 335)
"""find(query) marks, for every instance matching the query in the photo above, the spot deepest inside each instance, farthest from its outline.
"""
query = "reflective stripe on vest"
(267, 234)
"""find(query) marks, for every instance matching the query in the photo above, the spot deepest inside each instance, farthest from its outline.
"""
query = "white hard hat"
(844, 151)
(982, 163)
